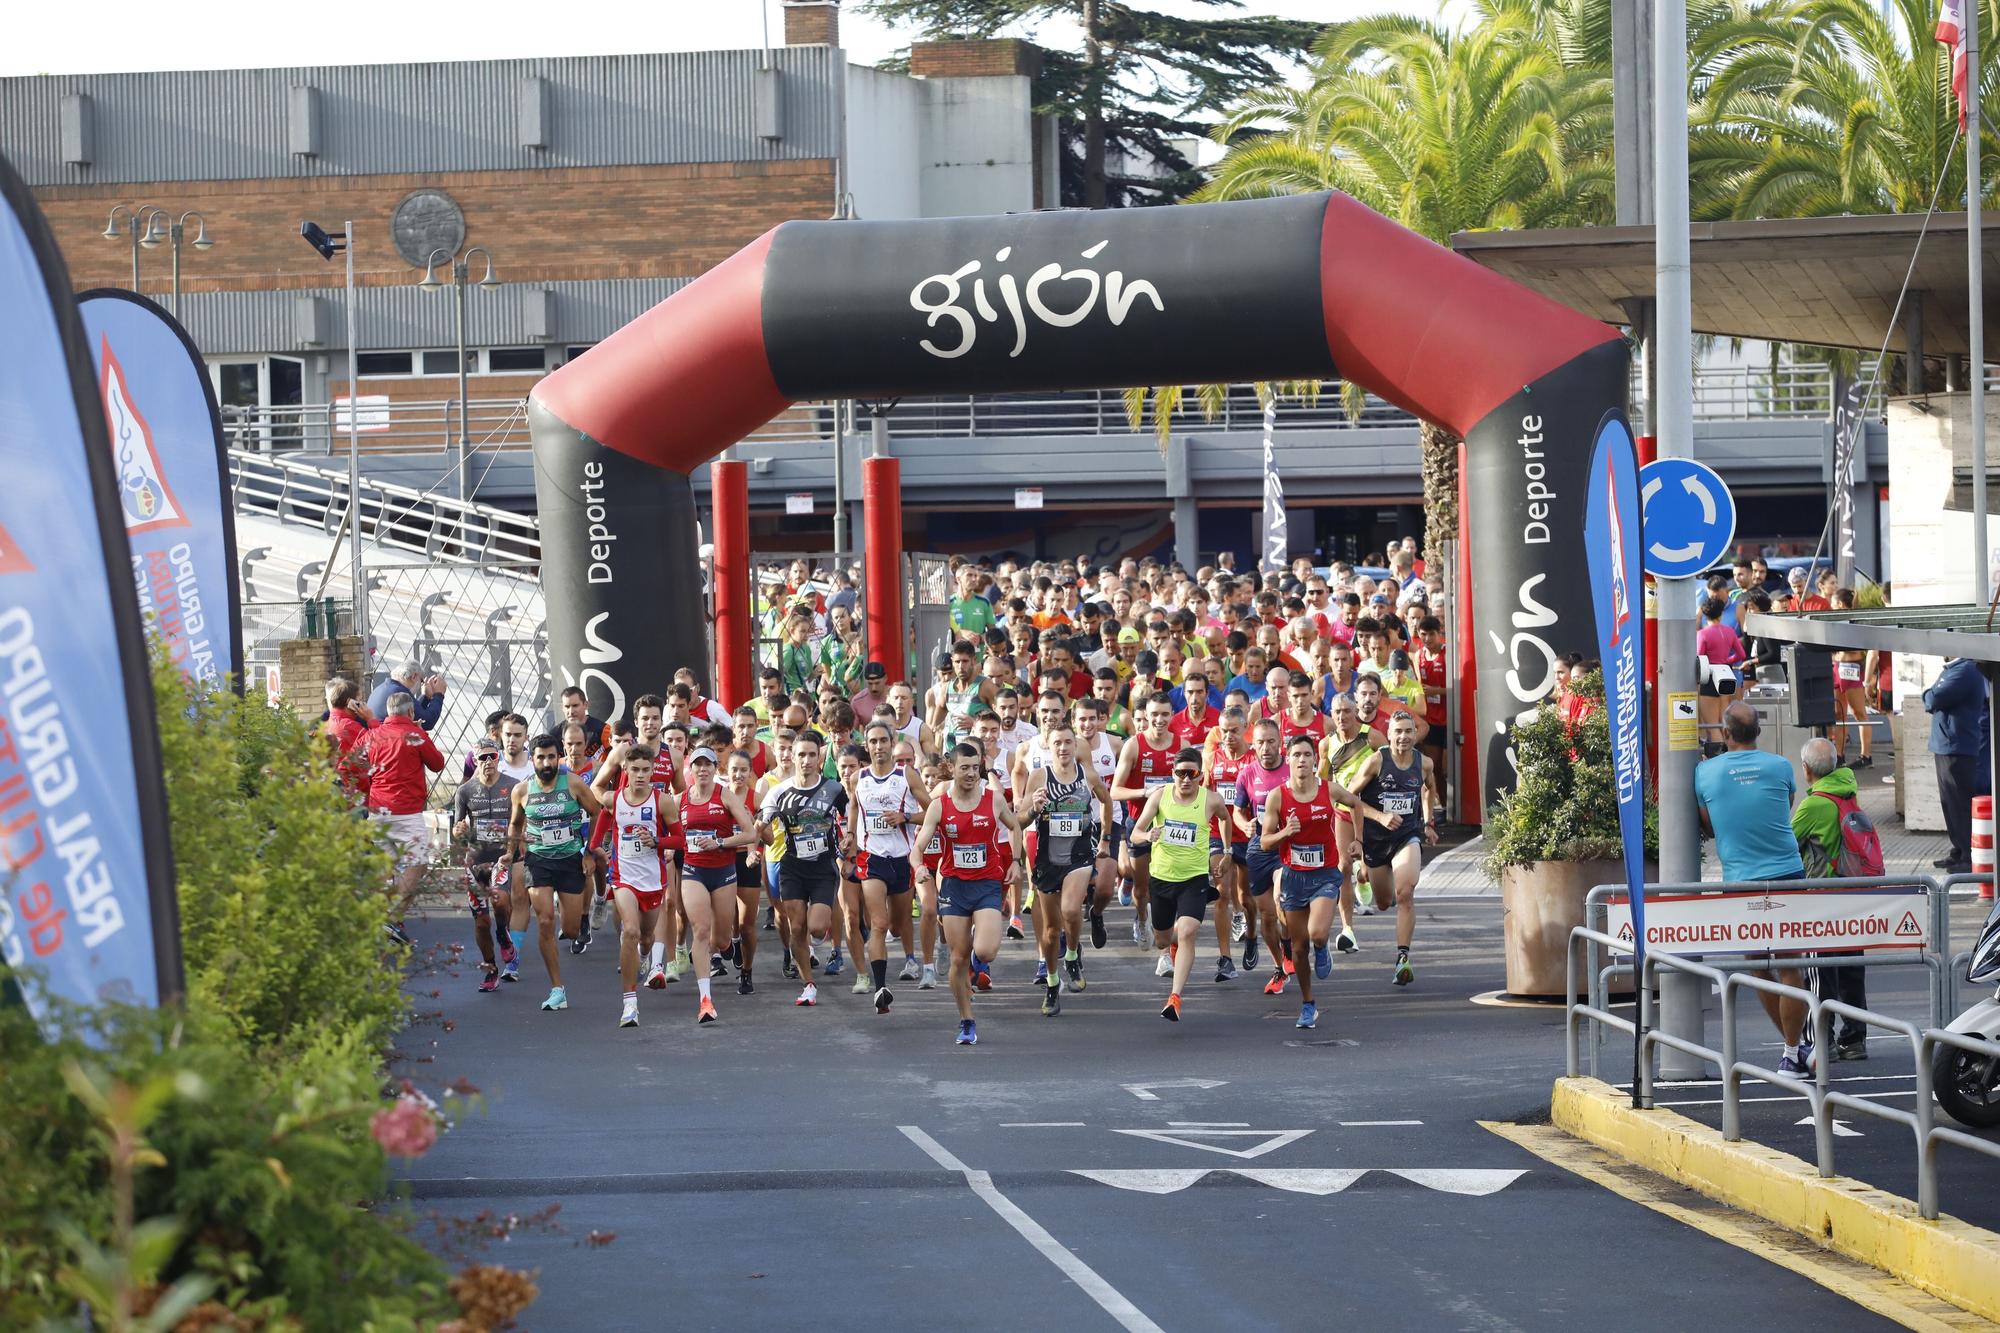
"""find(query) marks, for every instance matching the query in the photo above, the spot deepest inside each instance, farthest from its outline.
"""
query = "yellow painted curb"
(1952, 1260)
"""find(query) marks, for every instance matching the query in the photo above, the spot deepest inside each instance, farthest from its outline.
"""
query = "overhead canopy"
(1935, 631)
(1825, 281)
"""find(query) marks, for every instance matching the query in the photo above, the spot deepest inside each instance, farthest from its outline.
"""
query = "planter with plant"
(1555, 837)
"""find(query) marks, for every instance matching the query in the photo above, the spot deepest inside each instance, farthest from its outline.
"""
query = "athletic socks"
(659, 953)
(703, 983)
(881, 971)
(1070, 957)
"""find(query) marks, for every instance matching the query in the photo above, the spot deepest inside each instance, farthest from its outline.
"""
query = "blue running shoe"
(1322, 961)
(833, 963)
(968, 1035)
(1041, 974)
(510, 970)
(1308, 1015)
(558, 999)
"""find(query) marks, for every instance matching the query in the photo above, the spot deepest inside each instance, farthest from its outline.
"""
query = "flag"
(1277, 540)
(1611, 547)
(1951, 32)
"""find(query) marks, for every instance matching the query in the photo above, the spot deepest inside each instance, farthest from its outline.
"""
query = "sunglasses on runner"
(1187, 772)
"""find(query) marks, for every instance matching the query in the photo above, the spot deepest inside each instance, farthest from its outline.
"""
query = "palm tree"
(1809, 108)
(1443, 129)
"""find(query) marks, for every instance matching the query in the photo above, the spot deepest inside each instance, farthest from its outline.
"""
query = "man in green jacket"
(1816, 824)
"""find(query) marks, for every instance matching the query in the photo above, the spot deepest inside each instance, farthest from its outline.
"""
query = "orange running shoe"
(1291, 969)
(1171, 1010)
(706, 1014)
(1276, 985)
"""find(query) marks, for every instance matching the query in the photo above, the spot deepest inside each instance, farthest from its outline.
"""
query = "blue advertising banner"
(86, 871)
(173, 481)
(1611, 544)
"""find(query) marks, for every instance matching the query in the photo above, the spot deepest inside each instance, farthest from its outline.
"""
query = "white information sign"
(799, 502)
(1786, 921)
(371, 414)
(1027, 497)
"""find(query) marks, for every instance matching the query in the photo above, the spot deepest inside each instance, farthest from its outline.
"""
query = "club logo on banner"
(1611, 544)
(166, 448)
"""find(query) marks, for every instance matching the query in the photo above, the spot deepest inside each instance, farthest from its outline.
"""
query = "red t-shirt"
(1188, 733)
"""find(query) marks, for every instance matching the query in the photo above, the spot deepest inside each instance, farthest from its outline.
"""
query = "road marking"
(1168, 1181)
(1273, 1139)
(1476, 1182)
(1303, 1182)
(1208, 1124)
(1143, 1090)
(1041, 1124)
(1369, 1124)
(1108, 1298)
(1848, 1278)
(1840, 1129)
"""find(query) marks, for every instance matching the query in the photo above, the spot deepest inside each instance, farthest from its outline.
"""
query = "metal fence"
(1733, 978)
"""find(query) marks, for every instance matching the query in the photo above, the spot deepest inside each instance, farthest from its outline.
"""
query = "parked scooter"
(1968, 1085)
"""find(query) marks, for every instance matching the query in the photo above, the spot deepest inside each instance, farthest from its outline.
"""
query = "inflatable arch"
(1302, 286)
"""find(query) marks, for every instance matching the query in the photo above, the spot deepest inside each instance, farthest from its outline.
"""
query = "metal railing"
(438, 527)
(1733, 979)
(1721, 393)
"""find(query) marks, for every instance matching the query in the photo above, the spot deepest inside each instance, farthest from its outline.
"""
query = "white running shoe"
(630, 1017)
(1239, 927)
(1138, 931)
(807, 997)
(1165, 966)
(656, 978)
(600, 914)
(862, 985)
(929, 981)
(912, 969)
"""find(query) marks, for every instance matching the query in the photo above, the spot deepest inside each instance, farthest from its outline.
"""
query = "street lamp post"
(460, 264)
(328, 246)
(142, 222)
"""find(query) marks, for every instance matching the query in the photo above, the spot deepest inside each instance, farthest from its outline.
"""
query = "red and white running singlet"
(969, 840)
(1154, 768)
(1307, 849)
(642, 843)
(706, 824)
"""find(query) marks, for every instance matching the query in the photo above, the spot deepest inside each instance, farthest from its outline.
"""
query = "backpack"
(1859, 852)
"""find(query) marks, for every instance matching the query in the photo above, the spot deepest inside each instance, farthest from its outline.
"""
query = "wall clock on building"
(425, 222)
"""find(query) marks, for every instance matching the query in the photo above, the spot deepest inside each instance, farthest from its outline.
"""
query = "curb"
(1950, 1259)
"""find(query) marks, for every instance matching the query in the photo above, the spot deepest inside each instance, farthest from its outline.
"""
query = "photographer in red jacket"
(400, 755)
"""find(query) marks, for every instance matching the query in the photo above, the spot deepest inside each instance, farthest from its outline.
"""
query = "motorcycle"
(1968, 1085)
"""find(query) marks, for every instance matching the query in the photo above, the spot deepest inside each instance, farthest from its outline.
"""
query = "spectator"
(1719, 650)
(347, 724)
(1745, 799)
(1760, 652)
(1816, 823)
(1957, 705)
(408, 679)
(843, 593)
(399, 752)
(1795, 584)
(1824, 587)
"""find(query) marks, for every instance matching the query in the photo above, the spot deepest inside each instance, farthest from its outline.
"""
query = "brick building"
(598, 186)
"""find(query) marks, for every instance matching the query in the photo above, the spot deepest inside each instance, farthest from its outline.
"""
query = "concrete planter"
(1540, 903)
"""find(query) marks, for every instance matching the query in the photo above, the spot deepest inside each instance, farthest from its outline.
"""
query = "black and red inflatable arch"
(1304, 286)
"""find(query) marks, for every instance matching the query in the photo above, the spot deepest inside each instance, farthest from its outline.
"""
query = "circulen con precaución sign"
(1781, 921)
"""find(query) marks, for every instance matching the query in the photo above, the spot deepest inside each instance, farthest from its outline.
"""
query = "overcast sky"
(112, 35)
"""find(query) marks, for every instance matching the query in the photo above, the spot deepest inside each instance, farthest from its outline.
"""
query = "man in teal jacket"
(1816, 824)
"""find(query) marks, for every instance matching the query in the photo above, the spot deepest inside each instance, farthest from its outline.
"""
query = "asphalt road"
(1098, 1170)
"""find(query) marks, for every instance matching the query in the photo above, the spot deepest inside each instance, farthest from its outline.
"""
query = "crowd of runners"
(1135, 747)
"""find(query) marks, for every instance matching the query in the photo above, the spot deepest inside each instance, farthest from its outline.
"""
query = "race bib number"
(969, 858)
(878, 824)
(1065, 826)
(1308, 856)
(809, 846)
(1179, 834)
(936, 845)
(1399, 803)
(553, 835)
(1157, 782)
(489, 830)
(702, 841)
(1849, 673)
(1227, 791)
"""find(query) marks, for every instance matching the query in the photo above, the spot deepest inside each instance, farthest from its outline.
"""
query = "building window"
(440, 363)
(575, 350)
(382, 363)
(513, 358)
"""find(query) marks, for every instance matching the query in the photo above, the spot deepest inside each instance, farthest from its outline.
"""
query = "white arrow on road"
(1840, 1129)
(1143, 1093)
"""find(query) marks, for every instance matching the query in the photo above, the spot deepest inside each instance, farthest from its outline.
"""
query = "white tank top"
(881, 796)
(1104, 758)
(912, 730)
(641, 861)
(1035, 755)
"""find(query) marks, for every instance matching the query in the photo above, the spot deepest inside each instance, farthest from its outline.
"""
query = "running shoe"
(507, 954)
(1308, 1015)
(1051, 1001)
(1239, 926)
(743, 986)
(581, 940)
(884, 997)
(1138, 931)
(912, 969)
(1345, 941)
(1404, 973)
(770, 918)
(510, 970)
(1322, 962)
(491, 981)
(558, 999)
(929, 980)
(1164, 965)
(1276, 985)
(1014, 931)
(968, 1035)
(682, 957)
(600, 914)
(861, 983)
(1364, 897)
(1041, 974)
(1124, 895)
(716, 967)
(1097, 930)
(1171, 1010)
(835, 962)
(1250, 954)
(395, 932)
(735, 954)
(672, 970)
(1225, 968)
(627, 1017)
(807, 997)
(656, 977)
(705, 1014)
(1290, 966)
(791, 969)
(982, 976)
(1073, 967)
(812, 956)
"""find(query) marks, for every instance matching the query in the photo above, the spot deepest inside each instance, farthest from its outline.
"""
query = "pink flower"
(405, 1129)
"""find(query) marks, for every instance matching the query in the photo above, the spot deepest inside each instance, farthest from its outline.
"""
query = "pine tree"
(1139, 80)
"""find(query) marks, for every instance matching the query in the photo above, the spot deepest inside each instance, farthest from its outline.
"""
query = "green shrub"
(1564, 806)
